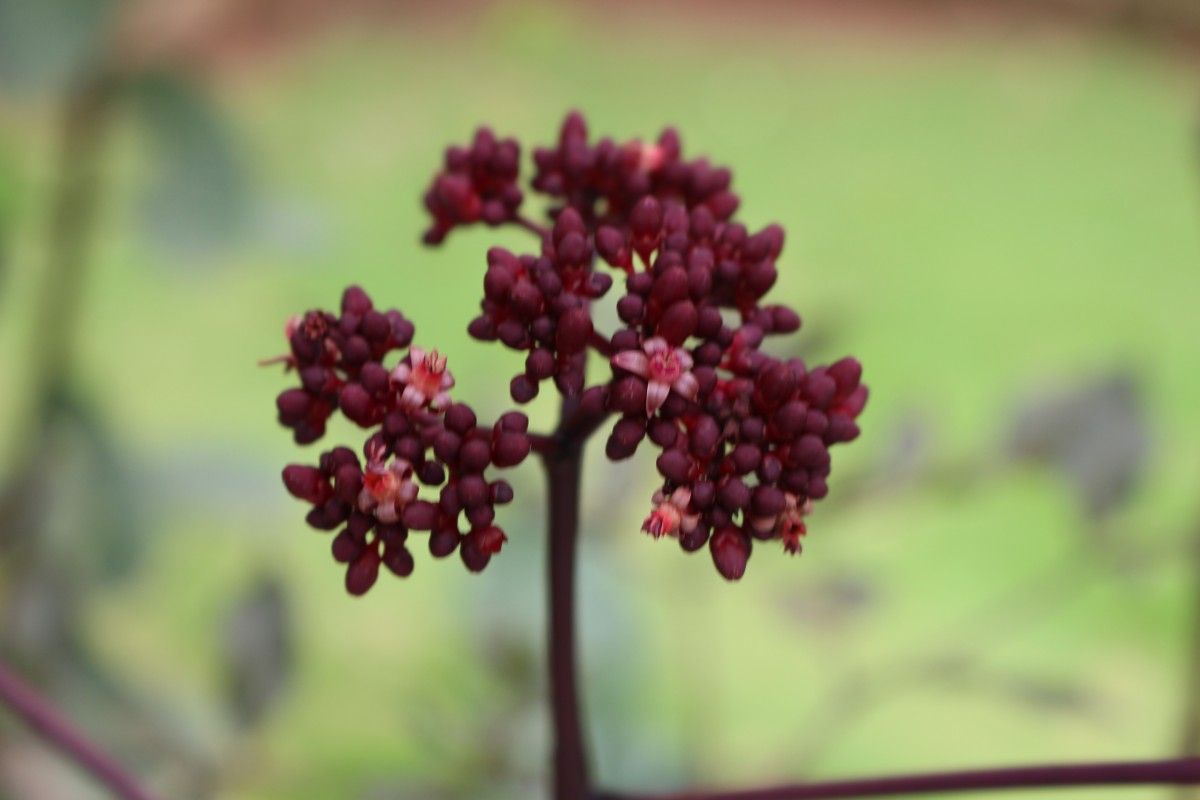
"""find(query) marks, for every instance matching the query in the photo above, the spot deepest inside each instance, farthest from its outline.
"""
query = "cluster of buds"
(743, 436)
(420, 440)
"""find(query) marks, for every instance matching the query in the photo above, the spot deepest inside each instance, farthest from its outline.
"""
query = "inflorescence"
(743, 437)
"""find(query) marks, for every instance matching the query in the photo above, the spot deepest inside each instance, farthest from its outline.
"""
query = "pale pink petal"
(656, 344)
(763, 524)
(681, 497)
(401, 373)
(447, 380)
(686, 385)
(441, 400)
(386, 513)
(416, 355)
(689, 522)
(656, 395)
(366, 501)
(684, 358)
(412, 397)
(634, 361)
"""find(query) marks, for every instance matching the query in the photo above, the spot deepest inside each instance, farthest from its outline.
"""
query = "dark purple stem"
(529, 225)
(570, 762)
(1183, 771)
(52, 727)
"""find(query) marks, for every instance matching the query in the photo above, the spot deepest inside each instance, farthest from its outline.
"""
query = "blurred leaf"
(94, 487)
(197, 201)
(1096, 434)
(44, 44)
(258, 650)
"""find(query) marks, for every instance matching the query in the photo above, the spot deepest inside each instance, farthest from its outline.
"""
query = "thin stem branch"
(55, 729)
(570, 762)
(525, 222)
(1183, 771)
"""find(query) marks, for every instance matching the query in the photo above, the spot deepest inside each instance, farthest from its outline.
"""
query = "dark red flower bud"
(539, 364)
(357, 405)
(307, 483)
(421, 515)
(767, 501)
(730, 552)
(626, 435)
(293, 405)
(574, 330)
(510, 449)
(398, 560)
(674, 465)
(678, 322)
(474, 455)
(733, 494)
(363, 572)
(443, 541)
(500, 492)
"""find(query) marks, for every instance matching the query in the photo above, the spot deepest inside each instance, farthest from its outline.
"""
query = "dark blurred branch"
(1185, 771)
(56, 730)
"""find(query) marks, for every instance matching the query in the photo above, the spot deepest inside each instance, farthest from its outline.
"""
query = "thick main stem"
(570, 763)
(55, 729)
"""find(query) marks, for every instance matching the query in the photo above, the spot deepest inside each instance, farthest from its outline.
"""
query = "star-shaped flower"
(387, 488)
(665, 369)
(425, 379)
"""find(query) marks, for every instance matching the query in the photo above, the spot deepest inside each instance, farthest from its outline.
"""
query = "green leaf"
(196, 203)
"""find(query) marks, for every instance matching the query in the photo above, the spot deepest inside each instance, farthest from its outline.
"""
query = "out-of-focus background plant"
(993, 205)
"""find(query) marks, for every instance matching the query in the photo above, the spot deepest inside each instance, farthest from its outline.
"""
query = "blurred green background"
(993, 207)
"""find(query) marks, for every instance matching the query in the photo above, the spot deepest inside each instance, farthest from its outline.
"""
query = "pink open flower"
(665, 369)
(425, 379)
(670, 516)
(387, 488)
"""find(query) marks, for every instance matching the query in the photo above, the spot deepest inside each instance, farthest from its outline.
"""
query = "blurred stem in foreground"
(54, 728)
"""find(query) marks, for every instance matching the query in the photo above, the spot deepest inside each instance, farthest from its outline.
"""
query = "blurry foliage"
(196, 202)
(258, 650)
(48, 44)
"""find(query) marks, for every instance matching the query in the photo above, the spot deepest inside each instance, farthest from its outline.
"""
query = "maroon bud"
(631, 308)
(671, 286)
(753, 429)
(790, 418)
(816, 423)
(539, 364)
(474, 455)
(513, 334)
(357, 405)
(695, 539)
(348, 483)
(678, 322)
(846, 374)
(610, 244)
(355, 350)
(473, 556)
(510, 449)
(733, 494)
(480, 516)
(345, 548)
(421, 515)
(483, 329)
(293, 405)
(730, 552)
(819, 388)
(708, 322)
(398, 560)
(513, 422)
(572, 251)
(784, 319)
(358, 524)
(770, 469)
(817, 488)
(704, 437)
(374, 377)
(497, 283)
(443, 541)
(794, 481)
(526, 300)
(431, 473)
(628, 395)
(446, 445)
(569, 380)
(307, 483)
(664, 432)
(472, 491)
(776, 384)
(460, 418)
(704, 494)
(674, 465)
(767, 501)
(500, 492)
(355, 301)
(745, 458)
(574, 330)
(626, 435)
(646, 218)
(523, 388)
(363, 572)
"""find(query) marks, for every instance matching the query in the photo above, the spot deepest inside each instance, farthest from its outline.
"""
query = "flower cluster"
(744, 437)
(419, 439)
